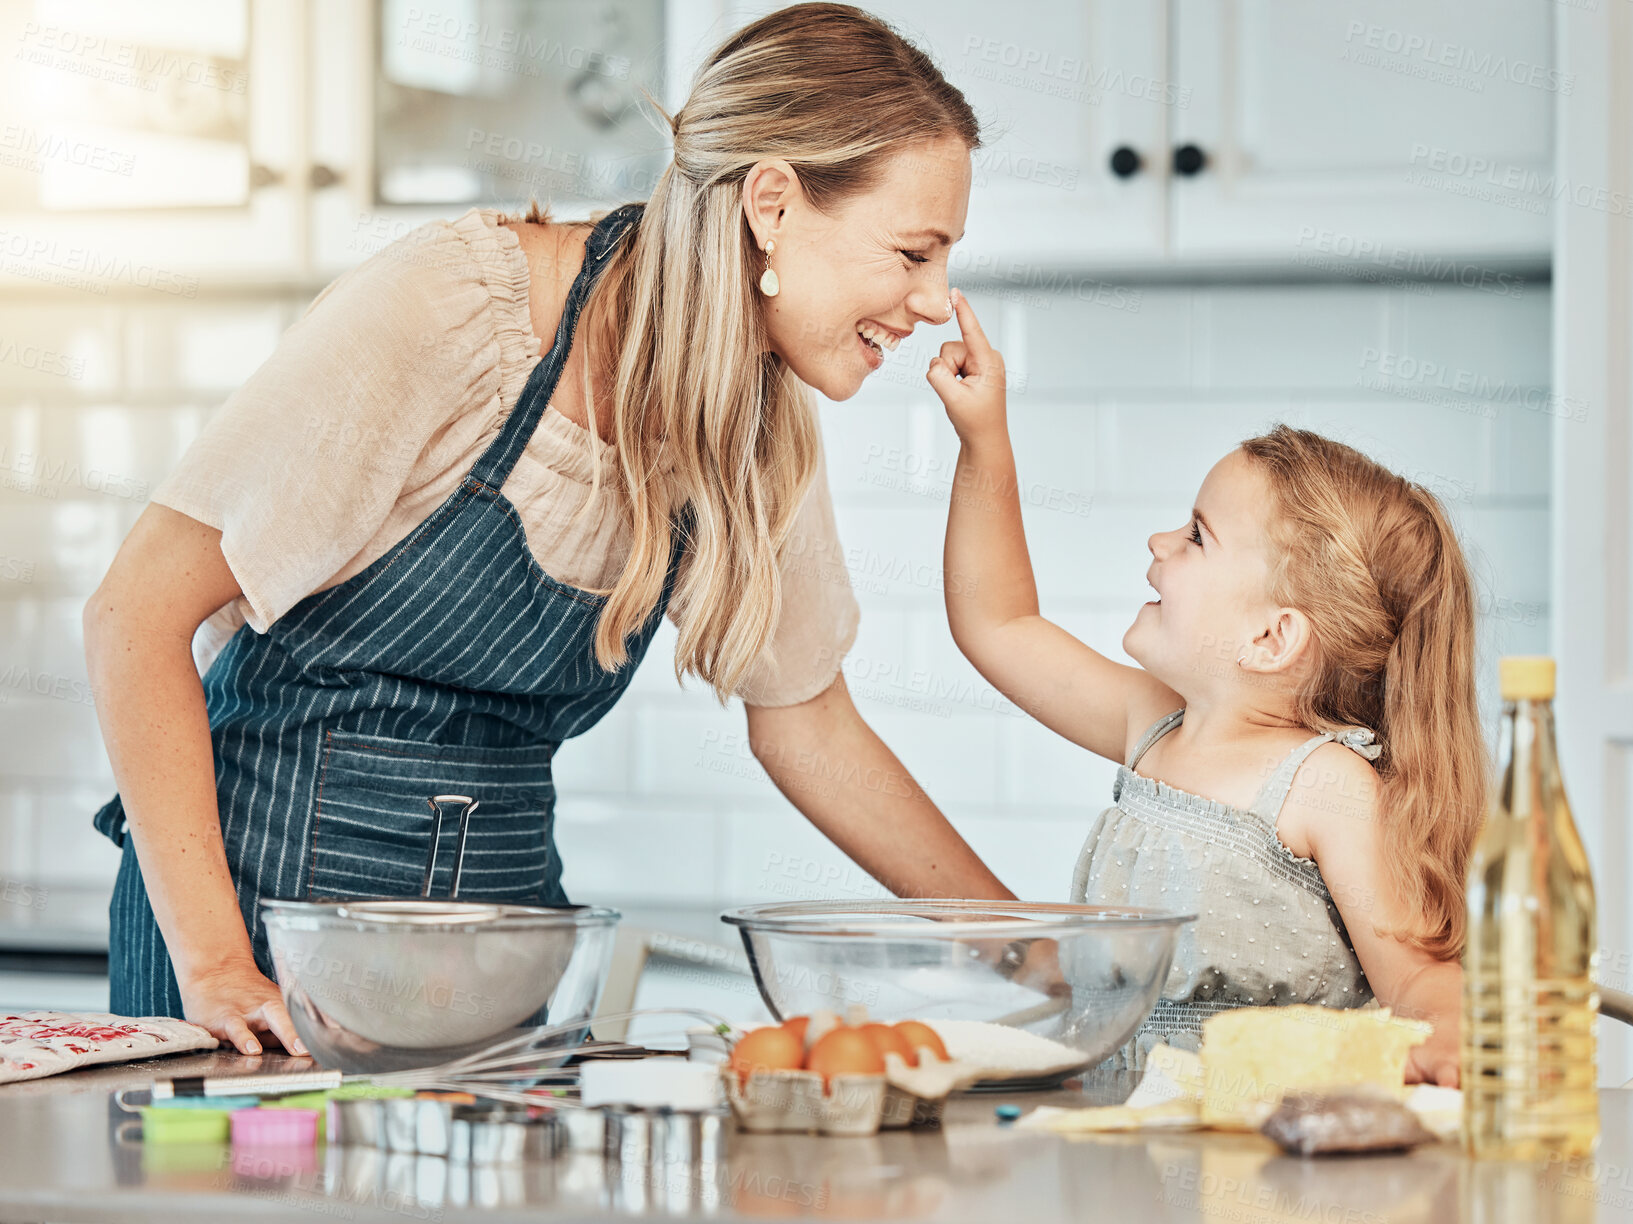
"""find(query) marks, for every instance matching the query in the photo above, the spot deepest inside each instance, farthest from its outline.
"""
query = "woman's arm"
(991, 595)
(168, 576)
(833, 767)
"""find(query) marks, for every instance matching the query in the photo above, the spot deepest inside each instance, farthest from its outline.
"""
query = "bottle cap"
(1526, 678)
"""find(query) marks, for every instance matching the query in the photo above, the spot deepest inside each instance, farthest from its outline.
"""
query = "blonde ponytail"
(1373, 561)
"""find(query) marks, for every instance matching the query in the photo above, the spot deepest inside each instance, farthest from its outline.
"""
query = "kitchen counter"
(63, 1157)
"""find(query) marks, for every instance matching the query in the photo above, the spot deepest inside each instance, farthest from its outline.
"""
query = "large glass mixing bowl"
(392, 984)
(1082, 975)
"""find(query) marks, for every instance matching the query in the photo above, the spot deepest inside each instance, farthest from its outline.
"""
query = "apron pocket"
(372, 830)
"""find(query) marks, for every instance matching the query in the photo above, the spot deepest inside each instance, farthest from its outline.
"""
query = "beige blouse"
(379, 400)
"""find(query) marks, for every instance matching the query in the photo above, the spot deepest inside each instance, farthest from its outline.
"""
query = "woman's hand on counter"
(237, 1001)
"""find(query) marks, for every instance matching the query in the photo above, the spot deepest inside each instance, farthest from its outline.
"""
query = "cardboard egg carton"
(847, 1104)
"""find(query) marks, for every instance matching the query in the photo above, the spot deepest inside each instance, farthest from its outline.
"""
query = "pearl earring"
(769, 285)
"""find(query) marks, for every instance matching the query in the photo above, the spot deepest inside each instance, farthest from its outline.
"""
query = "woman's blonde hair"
(1373, 561)
(698, 405)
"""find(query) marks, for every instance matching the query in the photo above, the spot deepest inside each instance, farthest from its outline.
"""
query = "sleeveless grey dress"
(1267, 929)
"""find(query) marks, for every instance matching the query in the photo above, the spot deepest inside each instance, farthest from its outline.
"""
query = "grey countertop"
(63, 1158)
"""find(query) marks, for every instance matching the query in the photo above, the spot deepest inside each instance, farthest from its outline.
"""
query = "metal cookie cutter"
(436, 802)
(665, 1159)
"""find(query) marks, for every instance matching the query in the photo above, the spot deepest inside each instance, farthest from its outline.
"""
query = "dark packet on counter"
(1354, 1120)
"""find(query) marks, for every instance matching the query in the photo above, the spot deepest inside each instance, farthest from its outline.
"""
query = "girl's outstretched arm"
(991, 595)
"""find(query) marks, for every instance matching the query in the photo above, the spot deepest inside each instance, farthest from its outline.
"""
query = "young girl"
(1302, 760)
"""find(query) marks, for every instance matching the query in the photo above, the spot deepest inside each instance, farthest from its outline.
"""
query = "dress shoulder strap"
(1274, 793)
(493, 467)
(1153, 733)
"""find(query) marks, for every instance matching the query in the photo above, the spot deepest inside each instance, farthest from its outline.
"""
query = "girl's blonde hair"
(1373, 561)
(698, 404)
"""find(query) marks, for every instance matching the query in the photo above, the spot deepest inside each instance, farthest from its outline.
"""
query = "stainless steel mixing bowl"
(1082, 975)
(391, 984)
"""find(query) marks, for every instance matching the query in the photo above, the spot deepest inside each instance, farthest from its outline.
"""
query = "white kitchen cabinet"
(120, 118)
(1058, 88)
(1400, 133)
(421, 111)
(1391, 129)
(1389, 132)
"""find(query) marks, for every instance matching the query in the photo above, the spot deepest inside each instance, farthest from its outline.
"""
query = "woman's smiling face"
(879, 259)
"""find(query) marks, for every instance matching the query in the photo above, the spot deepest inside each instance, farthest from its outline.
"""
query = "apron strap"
(493, 468)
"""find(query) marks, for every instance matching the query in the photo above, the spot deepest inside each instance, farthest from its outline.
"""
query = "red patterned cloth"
(38, 1043)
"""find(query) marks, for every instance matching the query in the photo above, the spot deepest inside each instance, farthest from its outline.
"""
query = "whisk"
(500, 1072)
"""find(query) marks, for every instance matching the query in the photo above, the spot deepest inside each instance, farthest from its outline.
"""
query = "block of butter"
(1252, 1056)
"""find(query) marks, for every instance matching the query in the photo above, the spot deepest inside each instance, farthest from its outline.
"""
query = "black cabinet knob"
(1125, 162)
(1188, 160)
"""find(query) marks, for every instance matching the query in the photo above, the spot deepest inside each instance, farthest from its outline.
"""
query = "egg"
(823, 1022)
(766, 1049)
(845, 1051)
(919, 1035)
(888, 1041)
(797, 1025)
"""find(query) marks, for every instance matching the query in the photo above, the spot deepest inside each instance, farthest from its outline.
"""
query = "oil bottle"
(1529, 1059)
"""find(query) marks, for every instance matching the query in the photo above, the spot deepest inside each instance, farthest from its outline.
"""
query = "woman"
(432, 537)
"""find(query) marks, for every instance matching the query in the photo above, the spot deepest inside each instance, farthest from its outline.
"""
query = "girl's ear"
(1281, 646)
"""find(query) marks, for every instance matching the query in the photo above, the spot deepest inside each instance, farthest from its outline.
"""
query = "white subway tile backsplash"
(68, 852)
(16, 837)
(1262, 338)
(1105, 630)
(1057, 453)
(1522, 449)
(601, 761)
(62, 545)
(58, 349)
(1446, 451)
(875, 669)
(858, 440)
(677, 859)
(63, 451)
(1507, 549)
(1033, 857)
(43, 634)
(1104, 556)
(1494, 339)
(772, 853)
(1117, 410)
(690, 747)
(1166, 448)
(1084, 348)
(884, 634)
(934, 677)
(953, 757)
(894, 552)
(213, 349)
(48, 730)
(656, 675)
(1046, 770)
(909, 465)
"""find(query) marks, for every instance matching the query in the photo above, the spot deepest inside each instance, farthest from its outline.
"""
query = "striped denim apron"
(453, 663)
